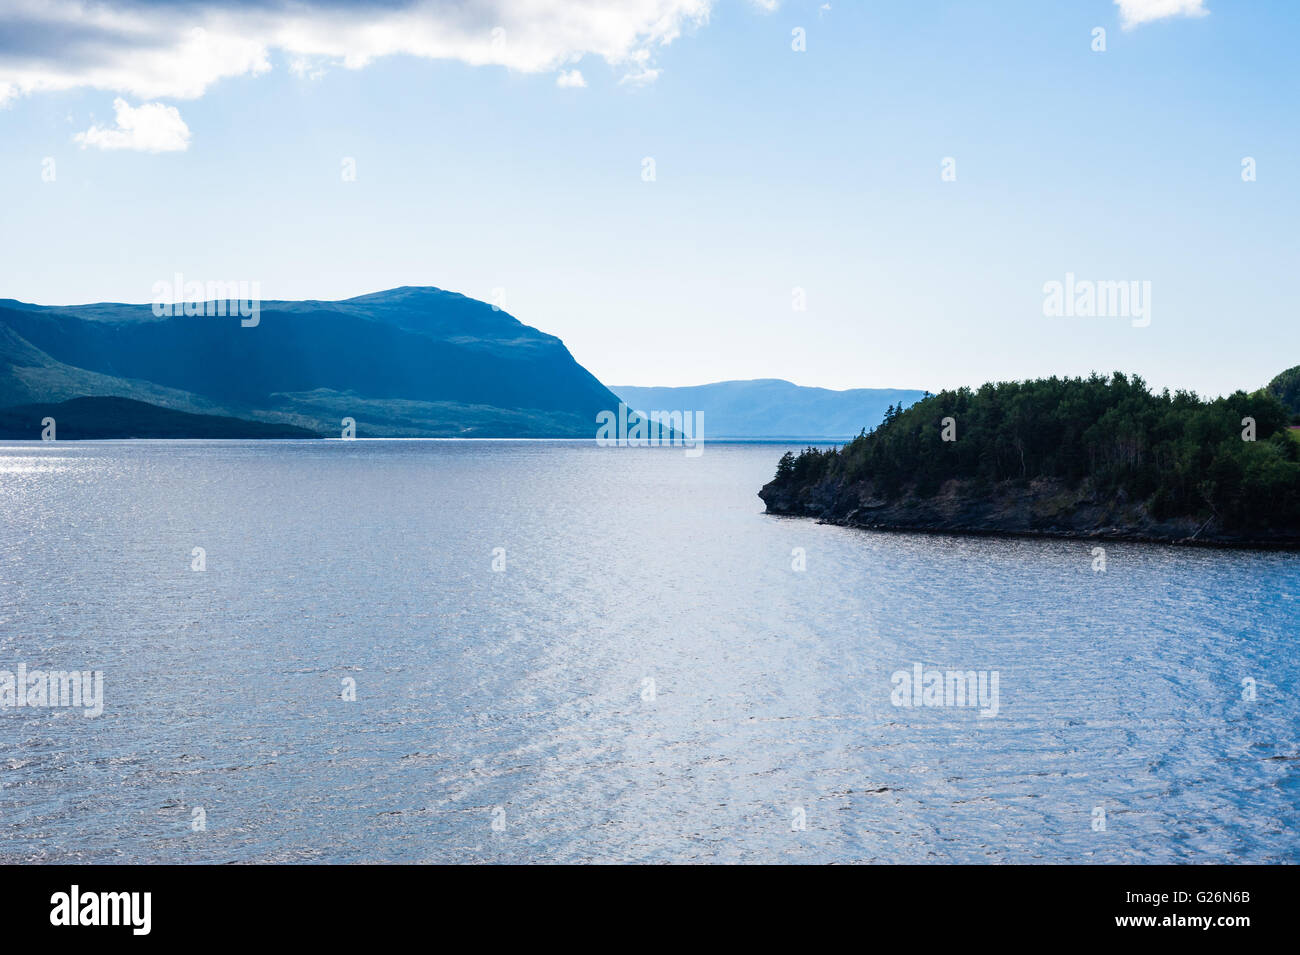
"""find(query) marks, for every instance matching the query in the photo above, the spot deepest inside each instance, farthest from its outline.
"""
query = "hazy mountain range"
(773, 408)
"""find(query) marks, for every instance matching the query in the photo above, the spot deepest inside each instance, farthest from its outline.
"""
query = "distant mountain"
(404, 363)
(772, 408)
(83, 418)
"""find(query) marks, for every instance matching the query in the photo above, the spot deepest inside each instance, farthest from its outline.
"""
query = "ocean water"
(648, 679)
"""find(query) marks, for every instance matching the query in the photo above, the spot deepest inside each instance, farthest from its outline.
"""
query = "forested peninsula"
(1097, 457)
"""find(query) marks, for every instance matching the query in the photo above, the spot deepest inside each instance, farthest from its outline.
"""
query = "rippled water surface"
(523, 696)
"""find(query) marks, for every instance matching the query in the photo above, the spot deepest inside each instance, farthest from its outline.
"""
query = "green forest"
(1286, 388)
(1182, 455)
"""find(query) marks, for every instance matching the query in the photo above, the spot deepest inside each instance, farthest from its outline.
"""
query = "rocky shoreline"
(1038, 508)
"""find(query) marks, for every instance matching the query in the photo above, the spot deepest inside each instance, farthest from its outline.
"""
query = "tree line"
(1182, 455)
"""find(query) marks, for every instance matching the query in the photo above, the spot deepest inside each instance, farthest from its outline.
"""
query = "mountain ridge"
(413, 361)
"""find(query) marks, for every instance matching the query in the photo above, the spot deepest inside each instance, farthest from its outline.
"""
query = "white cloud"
(1133, 12)
(571, 79)
(179, 50)
(304, 67)
(639, 77)
(640, 72)
(149, 127)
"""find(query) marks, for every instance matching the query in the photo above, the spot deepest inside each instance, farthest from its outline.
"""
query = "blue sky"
(478, 170)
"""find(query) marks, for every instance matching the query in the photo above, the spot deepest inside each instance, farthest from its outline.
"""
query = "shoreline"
(1111, 536)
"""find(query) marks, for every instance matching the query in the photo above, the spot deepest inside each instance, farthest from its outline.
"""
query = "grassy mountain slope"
(87, 418)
